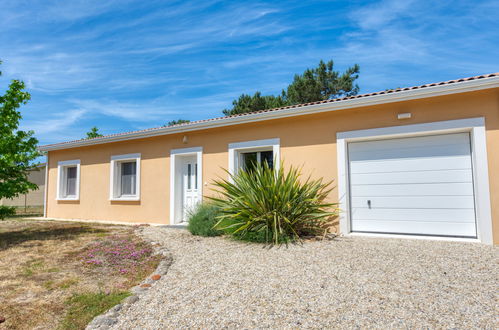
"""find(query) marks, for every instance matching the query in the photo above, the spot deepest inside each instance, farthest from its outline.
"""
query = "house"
(33, 200)
(420, 161)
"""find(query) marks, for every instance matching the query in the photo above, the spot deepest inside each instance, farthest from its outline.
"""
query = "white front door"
(190, 186)
(418, 185)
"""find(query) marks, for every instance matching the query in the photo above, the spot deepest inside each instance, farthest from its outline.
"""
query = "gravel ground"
(344, 283)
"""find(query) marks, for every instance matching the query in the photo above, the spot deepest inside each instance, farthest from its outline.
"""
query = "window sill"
(125, 199)
(68, 199)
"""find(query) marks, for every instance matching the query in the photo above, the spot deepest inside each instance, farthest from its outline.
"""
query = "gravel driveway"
(348, 283)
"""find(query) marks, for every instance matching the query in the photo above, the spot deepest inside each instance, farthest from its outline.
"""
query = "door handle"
(369, 203)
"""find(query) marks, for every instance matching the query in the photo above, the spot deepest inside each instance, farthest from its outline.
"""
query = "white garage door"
(419, 185)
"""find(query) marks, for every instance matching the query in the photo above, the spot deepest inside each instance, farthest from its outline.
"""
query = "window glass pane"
(128, 178)
(189, 170)
(249, 160)
(128, 168)
(268, 156)
(71, 181)
(195, 176)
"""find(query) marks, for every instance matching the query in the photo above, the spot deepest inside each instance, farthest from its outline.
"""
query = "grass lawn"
(62, 274)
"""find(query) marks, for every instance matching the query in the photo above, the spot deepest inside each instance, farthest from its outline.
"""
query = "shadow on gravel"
(173, 226)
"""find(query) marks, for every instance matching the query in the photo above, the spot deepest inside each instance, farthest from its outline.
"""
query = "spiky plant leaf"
(274, 204)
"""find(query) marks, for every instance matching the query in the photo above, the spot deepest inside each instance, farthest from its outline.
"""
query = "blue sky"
(124, 65)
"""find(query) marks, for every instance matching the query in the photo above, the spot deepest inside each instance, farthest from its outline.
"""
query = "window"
(128, 178)
(191, 177)
(68, 177)
(70, 181)
(250, 159)
(125, 177)
(246, 154)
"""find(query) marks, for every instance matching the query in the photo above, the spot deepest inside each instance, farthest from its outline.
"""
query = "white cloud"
(60, 121)
(131, 111)
(378, 15)
(51, 72)
(95, 57)
(400, 43)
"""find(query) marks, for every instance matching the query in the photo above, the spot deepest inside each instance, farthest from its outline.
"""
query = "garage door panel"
(414, 202)
(416, 227)
(410, 165)
(415, 214)
(458, 140)
(414, 152)
(413, 189)
(413, 177)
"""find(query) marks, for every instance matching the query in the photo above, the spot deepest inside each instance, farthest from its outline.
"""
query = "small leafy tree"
(18, 149)
(93, 133)
(177, 122)
(317, 84)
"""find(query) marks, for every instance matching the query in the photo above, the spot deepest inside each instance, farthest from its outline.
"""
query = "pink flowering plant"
(122, 254)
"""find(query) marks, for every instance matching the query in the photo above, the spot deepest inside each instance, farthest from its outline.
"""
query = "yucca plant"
(272, 205)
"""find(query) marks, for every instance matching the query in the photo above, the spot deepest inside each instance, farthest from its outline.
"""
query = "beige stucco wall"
(35, 197)
(305, 140)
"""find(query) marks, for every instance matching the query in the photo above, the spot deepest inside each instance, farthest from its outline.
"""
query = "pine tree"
(317, 84)
(93, 133)
(177, 122)
(322, 83)
(247, 103)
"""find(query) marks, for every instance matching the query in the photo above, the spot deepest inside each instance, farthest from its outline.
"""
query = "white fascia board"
(413, 94)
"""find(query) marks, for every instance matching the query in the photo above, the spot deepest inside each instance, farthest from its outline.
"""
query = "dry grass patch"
(45, 269)
(29, 211)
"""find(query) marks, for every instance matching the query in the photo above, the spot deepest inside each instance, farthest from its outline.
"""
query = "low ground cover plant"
(203, 219)
(272, 206)
(124, 254)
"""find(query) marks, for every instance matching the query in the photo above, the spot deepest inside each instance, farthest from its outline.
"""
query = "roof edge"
(403, 95)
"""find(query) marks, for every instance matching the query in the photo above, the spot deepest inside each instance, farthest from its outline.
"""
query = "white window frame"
(236, 149)
(474, 126)
(114, 184)
(62, 166)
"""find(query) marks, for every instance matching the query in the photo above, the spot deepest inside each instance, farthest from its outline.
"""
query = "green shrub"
(250, 236)
(7, 212)
(203, 219)
(273, 206)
